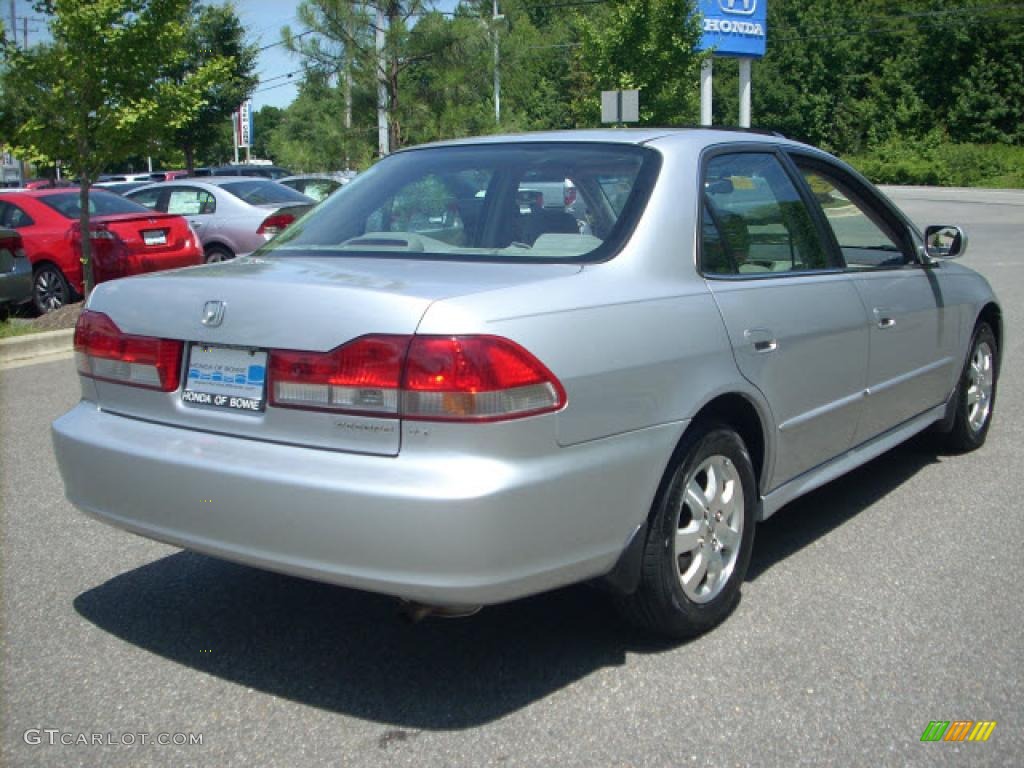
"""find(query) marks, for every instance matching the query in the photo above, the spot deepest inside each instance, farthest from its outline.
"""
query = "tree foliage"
(214, 36)
(103, 88)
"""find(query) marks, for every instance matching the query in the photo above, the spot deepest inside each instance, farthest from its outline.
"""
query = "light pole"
(495, 18)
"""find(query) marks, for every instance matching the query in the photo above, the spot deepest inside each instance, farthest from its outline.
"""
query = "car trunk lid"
(229, 315)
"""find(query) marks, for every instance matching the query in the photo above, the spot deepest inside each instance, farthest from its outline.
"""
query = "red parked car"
(127, 239)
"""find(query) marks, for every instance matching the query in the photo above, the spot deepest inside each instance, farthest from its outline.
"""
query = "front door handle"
(762, 339)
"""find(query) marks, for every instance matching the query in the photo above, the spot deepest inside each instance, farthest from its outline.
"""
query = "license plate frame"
(226, 378)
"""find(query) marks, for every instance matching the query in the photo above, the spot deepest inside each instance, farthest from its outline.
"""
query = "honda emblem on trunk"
(213, 313)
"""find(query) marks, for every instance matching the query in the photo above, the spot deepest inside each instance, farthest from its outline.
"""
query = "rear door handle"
(884, 318)
(762, 339)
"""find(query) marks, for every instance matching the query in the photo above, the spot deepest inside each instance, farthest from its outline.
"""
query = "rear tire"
(50, 289)
(975, 393)
(215, 253)
(700, 537)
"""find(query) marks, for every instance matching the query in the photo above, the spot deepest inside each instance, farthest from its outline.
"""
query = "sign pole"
(744, 92)
(706, 80)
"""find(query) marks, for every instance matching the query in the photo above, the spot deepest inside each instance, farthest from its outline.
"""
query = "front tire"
(50, 289)
(975, 393)
(700, 537)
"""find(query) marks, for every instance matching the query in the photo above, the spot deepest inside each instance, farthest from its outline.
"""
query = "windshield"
(100, 204)
(263, 191)
(509, 202)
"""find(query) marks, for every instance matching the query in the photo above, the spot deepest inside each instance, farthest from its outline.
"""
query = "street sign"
(620, 106)
(734, 27)
(243, 124)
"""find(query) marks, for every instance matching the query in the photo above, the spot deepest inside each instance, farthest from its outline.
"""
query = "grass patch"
(16, 326)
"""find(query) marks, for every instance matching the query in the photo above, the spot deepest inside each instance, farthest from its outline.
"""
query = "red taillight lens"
(431, 378)
(361, 376)
(476, 378)
(104, 352)
(272, 225)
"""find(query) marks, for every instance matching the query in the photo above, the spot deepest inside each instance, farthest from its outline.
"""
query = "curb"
(36, 345)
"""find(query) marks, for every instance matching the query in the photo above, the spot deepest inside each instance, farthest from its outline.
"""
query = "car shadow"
(804, 521)
(350, 652)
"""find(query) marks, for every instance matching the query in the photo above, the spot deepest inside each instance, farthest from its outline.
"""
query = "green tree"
(643, 44)
(214, 35)
(103, 89)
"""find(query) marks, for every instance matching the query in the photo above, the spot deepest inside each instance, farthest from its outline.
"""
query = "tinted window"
(509, 202)
(100, 204)
(865, 238)
(12, 216)
(263, 191)
(147, 197)
(759, 219)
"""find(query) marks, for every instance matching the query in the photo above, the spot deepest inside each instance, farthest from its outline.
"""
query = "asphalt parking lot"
(884, 601)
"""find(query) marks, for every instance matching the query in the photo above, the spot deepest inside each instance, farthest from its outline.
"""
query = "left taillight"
(274, 224)
(104, 352)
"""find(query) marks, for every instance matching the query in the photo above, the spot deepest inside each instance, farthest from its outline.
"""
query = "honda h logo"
(741, 7)
(213, 313)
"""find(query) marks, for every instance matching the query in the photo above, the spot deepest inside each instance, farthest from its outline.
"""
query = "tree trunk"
(85, 239)
(190, 157)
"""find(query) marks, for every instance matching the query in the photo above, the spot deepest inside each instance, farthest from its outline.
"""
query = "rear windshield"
(505, 202)
(263, 191)
(100, 204)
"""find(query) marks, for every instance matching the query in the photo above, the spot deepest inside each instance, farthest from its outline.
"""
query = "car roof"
(697, 136)
(201, 182)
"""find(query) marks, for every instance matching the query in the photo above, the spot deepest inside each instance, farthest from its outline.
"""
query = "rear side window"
(263, 191)
(506, 202)
(100, 204)
(190, 201)
(13, 217)
(754, 220)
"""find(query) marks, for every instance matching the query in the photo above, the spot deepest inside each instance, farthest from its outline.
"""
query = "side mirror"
(942, 241)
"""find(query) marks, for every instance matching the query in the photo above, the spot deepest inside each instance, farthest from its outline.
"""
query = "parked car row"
(126, 239)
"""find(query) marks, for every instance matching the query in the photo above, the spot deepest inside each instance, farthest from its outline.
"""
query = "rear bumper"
(440, 528)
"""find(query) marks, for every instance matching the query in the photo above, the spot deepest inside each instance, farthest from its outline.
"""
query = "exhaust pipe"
(414, 612)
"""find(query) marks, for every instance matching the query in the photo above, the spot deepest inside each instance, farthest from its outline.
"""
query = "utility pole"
(14, 24)
(383, 147)
(495, 18)
(24, 31)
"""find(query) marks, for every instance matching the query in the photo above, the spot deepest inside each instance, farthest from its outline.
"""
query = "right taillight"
(425, 378)
(275, 224)
(104, 352)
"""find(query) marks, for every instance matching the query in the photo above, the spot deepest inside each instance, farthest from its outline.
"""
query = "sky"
(263, 19)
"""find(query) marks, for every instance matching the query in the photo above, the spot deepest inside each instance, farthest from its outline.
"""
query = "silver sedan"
(424, 390)
(233, 215)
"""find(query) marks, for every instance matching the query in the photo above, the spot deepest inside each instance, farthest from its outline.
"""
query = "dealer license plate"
(232, 378)
(154, 237)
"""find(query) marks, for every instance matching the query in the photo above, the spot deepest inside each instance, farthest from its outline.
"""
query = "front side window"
(865, 238)
(754, 220)
(507, 202)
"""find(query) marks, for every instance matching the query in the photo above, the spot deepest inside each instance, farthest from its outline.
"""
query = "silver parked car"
(424, 390)
(233, 215)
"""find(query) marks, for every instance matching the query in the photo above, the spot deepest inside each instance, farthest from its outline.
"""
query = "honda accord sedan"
(423, 389)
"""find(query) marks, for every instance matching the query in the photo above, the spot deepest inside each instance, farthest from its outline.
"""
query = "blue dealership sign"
(734, 27)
